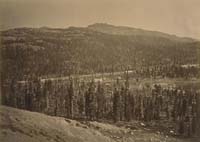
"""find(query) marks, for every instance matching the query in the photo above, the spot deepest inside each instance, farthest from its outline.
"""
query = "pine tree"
(11, 99)
(87, 101)
(90, 101)
(38, 93)
(116, 105)
(126, 96)
(198, 113)
(80, 103)
(71, 98)
(117, 102)
(100, 101)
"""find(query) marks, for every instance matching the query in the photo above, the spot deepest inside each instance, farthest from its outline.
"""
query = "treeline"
(168, 70)
(100, 101)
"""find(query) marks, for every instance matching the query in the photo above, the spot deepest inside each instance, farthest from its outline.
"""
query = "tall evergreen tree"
(90, 102)
(71, 98)
(116, 105)
(100, 101)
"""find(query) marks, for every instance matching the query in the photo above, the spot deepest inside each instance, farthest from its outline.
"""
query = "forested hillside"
(96, 48)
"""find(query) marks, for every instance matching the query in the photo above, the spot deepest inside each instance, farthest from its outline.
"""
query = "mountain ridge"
(126, 30)
(91, 49)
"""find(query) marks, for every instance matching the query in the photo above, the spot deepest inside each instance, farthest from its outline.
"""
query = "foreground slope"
(23, 126)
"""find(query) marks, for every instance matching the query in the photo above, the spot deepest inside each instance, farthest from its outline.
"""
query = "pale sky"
(180, 17)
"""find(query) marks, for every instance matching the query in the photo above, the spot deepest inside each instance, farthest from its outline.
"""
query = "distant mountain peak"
(101, 24)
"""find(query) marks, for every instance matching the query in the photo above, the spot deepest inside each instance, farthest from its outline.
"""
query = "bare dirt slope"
(24, 126)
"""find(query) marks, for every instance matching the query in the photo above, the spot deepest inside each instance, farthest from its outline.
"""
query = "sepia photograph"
(99, 71)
